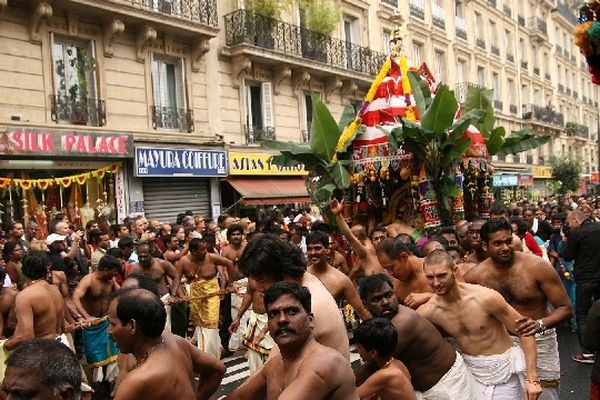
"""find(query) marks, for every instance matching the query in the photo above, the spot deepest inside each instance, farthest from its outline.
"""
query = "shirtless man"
(256, 337)
(39, 307)
(335, 257)
(366, 259)
(478, 255)
(338, 284)
(237, 287)
(528, 283)
(397, 259)
(157, 269)
(206, 272)
(165, 364)
(304, 368)
(375, 341)
(92, 298)
(267, 260)
(173, 252)
(478, 318)
(435, 369)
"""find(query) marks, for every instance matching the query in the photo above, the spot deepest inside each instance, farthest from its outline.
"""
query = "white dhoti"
(240, 286)
(166, 297)
(456, 384)
(257, 354)
(548, 363)
(500, 376)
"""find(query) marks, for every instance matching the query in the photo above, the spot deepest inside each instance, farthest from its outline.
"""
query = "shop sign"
(505, 180)
(525, 180)
(25, 141)
(542, 172)
(157, 161)
(258, 164)
(595, 178)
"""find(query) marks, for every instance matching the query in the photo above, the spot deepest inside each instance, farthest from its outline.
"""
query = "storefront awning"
(270, 191)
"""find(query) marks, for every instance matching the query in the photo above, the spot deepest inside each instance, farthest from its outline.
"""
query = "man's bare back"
(388, 383)
(40, 312)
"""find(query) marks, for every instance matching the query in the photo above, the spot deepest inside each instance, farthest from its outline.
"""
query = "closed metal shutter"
(164, 198)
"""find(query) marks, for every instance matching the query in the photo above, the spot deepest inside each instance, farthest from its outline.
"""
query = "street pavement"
(575, 377)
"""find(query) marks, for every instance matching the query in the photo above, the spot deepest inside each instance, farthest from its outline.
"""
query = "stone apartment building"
(187, 87)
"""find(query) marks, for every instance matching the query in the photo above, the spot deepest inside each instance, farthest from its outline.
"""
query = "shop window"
(170, 109)
(259, 111)
(75, 95)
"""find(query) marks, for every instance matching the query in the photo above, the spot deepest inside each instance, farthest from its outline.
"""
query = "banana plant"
(326, 174)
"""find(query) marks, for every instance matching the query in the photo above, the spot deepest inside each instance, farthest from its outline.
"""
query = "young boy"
(375, 341)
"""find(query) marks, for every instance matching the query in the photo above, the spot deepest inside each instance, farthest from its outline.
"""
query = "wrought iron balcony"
(255, 134)
(568, 91)
(244, 27)
(495, 50)
(492, 3)
(510, 57)
(417, 9)
(512, 108)
(461, 27)
(566, 12)
(577, 130)
(65, 110)
(547, 76)
(393, 3)
(200, 11)
(498, 105)
(172, 118)
(507, 10)
(543, 114)
(575, 94)
(524, 64)
(559, 50)
(480, 43)
(536, 70)
(538, 26)
(521, 20)
(561, 88)
(461, 90)
(438, 16)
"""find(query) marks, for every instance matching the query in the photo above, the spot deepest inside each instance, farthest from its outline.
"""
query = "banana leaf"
(478, 99)
(520, 141)
(347, 116)
(440, 114)
(324, 133)
(420, 91)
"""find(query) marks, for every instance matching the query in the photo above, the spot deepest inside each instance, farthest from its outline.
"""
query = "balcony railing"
(561, 88)
(438, 15)
(462, 89)
(254, 134)
(536, 70)
(513, 108)
(559, 50)
(537, 25)
(578, 130)
(393, 3)
(543, 114)
(480, 43)
(507, 10)
(200, 11)
(64, 110)
(172, 118)
(510, 57)
(521, 20)
(567, 12)
(498, 105)
(245, 27)
(547, 76)
(495, 50)
(568, 91)
(492, 3)
(524, 64)
(461, 27)
(575, 94)
(417, 8)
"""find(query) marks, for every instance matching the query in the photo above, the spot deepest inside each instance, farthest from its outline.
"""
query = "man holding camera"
(582, 248)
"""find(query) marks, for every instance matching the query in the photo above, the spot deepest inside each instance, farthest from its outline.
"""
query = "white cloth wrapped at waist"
(548, 359)
(496, 369)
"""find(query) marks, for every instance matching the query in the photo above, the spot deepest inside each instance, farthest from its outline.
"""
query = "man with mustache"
(338, 284)
(436, 370)
(304, 368)
(528, 283)
(267, 259)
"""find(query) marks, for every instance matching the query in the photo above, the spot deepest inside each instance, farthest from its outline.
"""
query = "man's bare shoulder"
(325, 362)
(476, 272)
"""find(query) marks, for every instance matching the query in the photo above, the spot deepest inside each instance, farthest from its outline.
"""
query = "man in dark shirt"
(582, 247)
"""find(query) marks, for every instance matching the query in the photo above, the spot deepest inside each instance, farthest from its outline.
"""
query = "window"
(417, 49)
(522, 50)
(440, 66)
(168, 86)
(492, 33)
(259, 111)
(508, 42)
(352, 37)
(481, 76)
(511, 91)
(75, 83)
(306, 115)
(386, 42)
(496, 86)
(461, 70)
(525, 94)
(537, 97)
(459, 9)
(478, 26)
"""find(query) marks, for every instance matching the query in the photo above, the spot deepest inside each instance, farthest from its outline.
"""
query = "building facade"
(187, 81)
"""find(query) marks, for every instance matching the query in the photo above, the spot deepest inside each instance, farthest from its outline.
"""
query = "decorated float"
(587, 37)
(411, 154)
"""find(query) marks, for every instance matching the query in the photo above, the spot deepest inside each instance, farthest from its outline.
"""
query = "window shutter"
(155, 81)
(267, 104)
(180, 85)
(247, 105)
(92, 75)
(57, 54)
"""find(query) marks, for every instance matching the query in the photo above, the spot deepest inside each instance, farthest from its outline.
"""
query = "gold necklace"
(147, 353)
(387, 363)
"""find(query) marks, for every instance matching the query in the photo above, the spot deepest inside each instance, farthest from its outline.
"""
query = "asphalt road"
(575, 377)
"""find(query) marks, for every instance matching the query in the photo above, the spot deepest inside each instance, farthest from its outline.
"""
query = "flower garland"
(349, 131)
(64, 181)
(587, 37)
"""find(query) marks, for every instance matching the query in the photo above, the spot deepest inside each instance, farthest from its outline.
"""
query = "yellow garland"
(65, 181)
(353, 126)
(404, 70)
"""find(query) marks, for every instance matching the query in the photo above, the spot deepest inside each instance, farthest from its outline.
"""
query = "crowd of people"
(148, 310)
